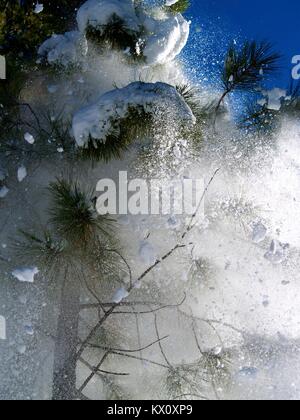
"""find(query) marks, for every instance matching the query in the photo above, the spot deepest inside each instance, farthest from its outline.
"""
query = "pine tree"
(77, 241)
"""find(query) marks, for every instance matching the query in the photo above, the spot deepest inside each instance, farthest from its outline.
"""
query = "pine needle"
(245, 68)
(73, 214)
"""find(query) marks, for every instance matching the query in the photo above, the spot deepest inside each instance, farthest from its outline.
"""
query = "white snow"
(3, 192)
(162, 37)
(259, 233)
(39, 7)
(25, 274)
(166, 38)
(22, 173)
(29, 138)
(2, 328)
(29, 329)
(147, 253)
(171, 2)
(277, 252)
(99, 120)
(97, 13)
(120, 295)
(64, 50)
(274, 98)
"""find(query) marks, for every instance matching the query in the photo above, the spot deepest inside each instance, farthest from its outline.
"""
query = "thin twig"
(161, 308)
(94, 371)
(110, 349)
(210, 368)
(143, 359)
(190, 226)
(160, 346)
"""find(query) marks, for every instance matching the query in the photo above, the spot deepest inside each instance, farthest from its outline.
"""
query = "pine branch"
(73, 215)
(245, 68)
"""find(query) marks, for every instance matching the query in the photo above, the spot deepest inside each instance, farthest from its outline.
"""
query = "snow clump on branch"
(103, 118)
(157, 38)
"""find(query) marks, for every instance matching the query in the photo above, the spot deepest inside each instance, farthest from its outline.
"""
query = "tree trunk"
(65, 361)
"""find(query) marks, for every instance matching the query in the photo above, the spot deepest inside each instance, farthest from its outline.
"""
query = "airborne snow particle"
(29, 329)
(22, 173)
(147, 253)
(3, 192)
(259, 233)
(277, 252)
(39, 7)
(120, 295)
(26, 274)
(29, 138)
(2, 328)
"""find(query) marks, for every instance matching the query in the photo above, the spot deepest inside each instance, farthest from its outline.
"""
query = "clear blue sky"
(217, 22)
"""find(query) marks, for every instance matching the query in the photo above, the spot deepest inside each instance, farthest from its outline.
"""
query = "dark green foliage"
(245, 68)
(10, 92)
(203, 112)
(115, 34)
(45, 250)
(191, 96)
(260, 119)
(113, 148)
(63, 12)
(74, 216)
(181, 6)
(135, 126)
(22, 30)
(57, 131)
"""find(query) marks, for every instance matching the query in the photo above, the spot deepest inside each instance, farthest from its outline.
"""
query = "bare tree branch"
(143, 359)
(190, 226)
(110, 349)
(161, 308)
(94, 372)
(160, 346)
(149, 270)
(113, 373)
